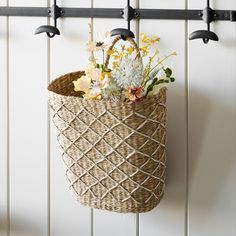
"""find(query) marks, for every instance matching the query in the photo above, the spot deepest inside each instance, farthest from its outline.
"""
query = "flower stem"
(160, 62)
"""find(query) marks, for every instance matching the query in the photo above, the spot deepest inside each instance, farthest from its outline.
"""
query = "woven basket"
(115, 152)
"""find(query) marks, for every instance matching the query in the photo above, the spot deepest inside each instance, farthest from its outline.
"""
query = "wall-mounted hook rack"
(205, 35)
(55, 12)
(129, 12)
(159, 14)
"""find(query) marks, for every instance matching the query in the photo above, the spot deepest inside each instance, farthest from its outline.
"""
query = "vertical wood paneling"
(108, 223)
(3, 126)
(212, 129)
(68, 53)
(201, 107)
(28, 125)
(168, 218)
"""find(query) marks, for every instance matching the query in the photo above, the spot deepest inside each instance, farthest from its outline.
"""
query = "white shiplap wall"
(67, 217)
(200, 191)
(4, 163)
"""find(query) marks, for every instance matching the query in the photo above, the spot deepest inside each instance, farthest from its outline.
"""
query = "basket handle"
(118, 38)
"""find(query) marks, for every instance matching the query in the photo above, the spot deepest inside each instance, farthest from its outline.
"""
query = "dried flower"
(134, 93)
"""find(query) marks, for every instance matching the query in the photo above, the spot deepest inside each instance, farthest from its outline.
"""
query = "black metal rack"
(208, 15)
(165, 14)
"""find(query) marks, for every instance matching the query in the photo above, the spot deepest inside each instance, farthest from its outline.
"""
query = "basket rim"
(102, 101)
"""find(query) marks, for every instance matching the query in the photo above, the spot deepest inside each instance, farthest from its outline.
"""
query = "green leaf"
(172, 79)
(154, 73)
(168, 72)
(150, 87)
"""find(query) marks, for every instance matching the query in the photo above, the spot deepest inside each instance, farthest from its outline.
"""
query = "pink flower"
(134, 93)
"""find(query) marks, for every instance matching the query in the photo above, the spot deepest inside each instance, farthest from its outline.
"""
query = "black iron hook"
(50, 30)
(128, 13)
(206, 35)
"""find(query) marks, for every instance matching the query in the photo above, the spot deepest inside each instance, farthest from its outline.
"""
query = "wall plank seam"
(92, 37)
(187, 120)
(8, 124)
(137, 224)
(48, 142)
(92, 222)
(48, 135)
(189, 225)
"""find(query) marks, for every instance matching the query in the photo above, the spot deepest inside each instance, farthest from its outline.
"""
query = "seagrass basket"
(114, 152)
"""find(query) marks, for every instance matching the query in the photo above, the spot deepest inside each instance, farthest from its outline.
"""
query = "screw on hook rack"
(55, 12)
(128, 13)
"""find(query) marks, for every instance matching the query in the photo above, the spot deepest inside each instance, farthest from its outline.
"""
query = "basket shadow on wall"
(208, 172)
(22, 226)
(210, 154)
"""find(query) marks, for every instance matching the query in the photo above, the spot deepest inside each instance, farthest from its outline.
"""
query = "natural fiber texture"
(115, 152)
(117, 39)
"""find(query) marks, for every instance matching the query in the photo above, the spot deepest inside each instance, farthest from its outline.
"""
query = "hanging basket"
(114, 152)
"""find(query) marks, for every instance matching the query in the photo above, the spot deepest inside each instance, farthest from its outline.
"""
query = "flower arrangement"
(127, 79)
(128, 124)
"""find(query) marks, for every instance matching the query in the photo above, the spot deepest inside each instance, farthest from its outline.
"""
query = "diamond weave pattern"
(115, 153)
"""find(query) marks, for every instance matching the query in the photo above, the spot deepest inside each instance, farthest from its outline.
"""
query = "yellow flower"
(117, 57)
(110, 52)
(149, 40)
(105, 74)
(82, 84)
(130, 50)
(115, 64)
(144, 50)
(144, 38)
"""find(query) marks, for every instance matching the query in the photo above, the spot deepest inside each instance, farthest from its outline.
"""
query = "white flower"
(94, 93)
(105, 81)
(102, 42)
(104, 37)
(95, 89)
(82, 84)
(94, 73)
(129, 73)
(112, 92)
